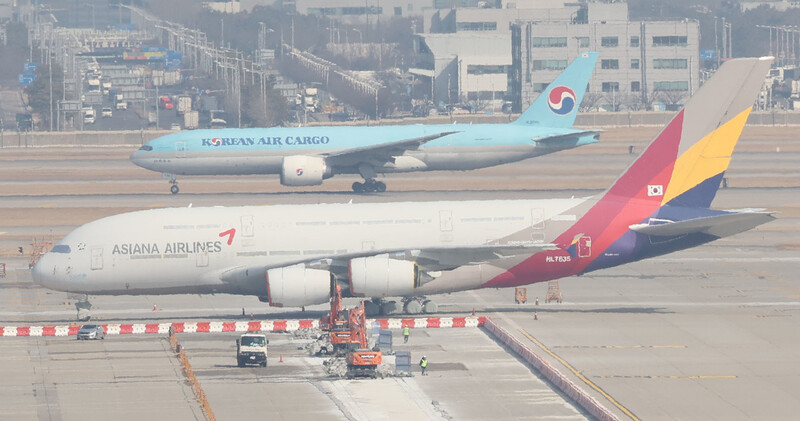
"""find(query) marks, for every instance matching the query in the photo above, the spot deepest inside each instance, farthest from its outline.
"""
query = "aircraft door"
(537, 225)
(585, 246)
(445, 221)
(97, 258)
(202, 259)
(180, 149)
(248, 229)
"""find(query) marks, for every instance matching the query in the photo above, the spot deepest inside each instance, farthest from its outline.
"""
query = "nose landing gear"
(84, 308)
(174, 188)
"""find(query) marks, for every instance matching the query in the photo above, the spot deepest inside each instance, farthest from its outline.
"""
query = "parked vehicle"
(166, 103)
(89, 116)
(91, 332)
(106, 112)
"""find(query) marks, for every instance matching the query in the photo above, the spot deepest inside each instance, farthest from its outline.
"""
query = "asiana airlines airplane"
(295, 255)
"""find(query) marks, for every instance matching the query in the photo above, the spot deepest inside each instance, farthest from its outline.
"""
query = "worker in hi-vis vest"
(423, 363)
(406, 332)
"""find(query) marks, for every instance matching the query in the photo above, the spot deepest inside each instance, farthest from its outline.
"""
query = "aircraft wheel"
(358, 187)
(430, 307)
(413, 307)
(174, 189)
(380, 186)
(389, 307)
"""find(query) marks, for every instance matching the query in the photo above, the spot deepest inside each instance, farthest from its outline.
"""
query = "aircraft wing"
(722, 225)
(427, 258)
(569, 136)
(380, 153)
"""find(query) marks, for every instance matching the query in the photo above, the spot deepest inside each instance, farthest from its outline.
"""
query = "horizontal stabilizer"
(722, 225)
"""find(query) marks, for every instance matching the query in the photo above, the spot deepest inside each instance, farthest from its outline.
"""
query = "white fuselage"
(194, 250)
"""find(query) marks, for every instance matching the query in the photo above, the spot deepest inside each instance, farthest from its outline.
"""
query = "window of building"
(635, 41)
(548, 42)
(634, 63)
(671, 86)
(636, 86)
(398, 11)
(539, 87)
(668, 63)
(670, 41)
(610, 86)
(583, 42)
(609, 64)
(476, 26)
(478, 69)
(609, 41)
(549, 64)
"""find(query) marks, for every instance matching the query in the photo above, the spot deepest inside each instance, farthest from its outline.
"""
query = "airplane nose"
(38, 271)
(44, 273)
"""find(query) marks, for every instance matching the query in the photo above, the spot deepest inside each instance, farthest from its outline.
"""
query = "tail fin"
(558, 105)
(684, 164)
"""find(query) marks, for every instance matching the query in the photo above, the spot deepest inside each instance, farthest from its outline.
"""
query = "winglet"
(557, 106)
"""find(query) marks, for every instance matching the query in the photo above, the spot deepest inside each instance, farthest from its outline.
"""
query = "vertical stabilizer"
(683, 165)
(558, 105)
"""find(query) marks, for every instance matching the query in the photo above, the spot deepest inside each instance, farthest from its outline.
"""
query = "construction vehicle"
(337, 324)
(361, 361)
(251, 348)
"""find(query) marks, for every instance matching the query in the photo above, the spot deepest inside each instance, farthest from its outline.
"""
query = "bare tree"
(590, 101)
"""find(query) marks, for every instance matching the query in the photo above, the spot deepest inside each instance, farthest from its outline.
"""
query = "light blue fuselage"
(261, 150)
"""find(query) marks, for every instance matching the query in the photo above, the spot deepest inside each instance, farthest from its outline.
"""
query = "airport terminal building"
(494, 54)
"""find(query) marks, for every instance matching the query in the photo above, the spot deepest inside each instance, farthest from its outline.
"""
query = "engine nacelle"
(301, 170)
(297, 286)
(380, 276)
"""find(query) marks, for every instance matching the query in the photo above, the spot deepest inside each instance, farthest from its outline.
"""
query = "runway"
(708, 333)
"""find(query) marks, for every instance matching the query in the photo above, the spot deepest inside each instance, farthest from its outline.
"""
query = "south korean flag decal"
(655, 190)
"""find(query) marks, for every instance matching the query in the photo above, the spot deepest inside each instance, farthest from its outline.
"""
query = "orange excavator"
(361, 361)
(337, 323)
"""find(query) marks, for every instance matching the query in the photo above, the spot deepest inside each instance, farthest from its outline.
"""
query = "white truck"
(251, 348)
(183, 104)
(191, 120)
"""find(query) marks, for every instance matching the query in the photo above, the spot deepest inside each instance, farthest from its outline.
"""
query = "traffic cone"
(281, 360)
(155, 307)
(473, 311)
(535, 316)
(537, 301)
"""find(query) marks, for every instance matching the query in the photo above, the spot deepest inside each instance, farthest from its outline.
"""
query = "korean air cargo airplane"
(295, 255)
(305, 156)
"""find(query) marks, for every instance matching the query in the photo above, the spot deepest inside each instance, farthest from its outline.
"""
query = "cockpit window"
(147, 148)
(61, 248)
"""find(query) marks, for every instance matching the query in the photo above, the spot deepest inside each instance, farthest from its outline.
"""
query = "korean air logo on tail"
(299, 172)
(561, 100)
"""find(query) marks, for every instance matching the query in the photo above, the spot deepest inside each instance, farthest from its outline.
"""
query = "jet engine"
(301, 170)
(382, 276)
(297, 286)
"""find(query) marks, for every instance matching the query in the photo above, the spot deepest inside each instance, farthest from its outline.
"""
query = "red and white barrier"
(564, 384)
(249, 326)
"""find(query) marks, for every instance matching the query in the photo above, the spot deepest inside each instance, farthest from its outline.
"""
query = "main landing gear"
(369, 186)
(408, 305)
